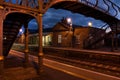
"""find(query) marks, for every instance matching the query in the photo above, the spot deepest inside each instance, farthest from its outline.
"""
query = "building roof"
(34, 31)
(60, 26)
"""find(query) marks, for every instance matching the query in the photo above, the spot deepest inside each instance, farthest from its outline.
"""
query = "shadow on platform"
(14, 70)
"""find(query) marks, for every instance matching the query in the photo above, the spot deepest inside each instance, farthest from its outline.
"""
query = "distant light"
(20, 30)
(90, 24)
(5, 38)
(69, 21)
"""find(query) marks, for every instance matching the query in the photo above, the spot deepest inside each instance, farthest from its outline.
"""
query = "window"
(59, 38)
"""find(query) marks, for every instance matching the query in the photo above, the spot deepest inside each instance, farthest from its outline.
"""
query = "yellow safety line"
(68, 72)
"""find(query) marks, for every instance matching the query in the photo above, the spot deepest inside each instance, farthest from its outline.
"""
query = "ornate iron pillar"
(26, 51)
(1, 44)
(44, 40)
(1, 1)
(40, 54)
(116, 38)
(112, 41)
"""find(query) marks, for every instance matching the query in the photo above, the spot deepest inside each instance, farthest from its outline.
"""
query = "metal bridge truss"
(106, 6)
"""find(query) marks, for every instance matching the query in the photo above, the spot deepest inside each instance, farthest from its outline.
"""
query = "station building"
(65, 35)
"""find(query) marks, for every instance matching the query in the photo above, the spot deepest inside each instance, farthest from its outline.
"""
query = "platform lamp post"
(69, 21)
(90, 24)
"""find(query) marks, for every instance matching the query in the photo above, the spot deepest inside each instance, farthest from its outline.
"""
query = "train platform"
(14, 70)
(101, 51)
(52, 70)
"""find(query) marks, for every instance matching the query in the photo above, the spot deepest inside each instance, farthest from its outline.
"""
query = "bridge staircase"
(10, 32)
(89, 8)
(104, 10)
(11, 27)
(96, 37)
(14, 21)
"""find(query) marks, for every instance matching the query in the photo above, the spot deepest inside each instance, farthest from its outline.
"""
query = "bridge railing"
(106, 6)
(25, 3)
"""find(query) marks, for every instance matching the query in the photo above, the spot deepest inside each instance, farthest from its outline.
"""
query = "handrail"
(26, 3)
(104, 26)
(115, 10)
(107, 6)
(91, 39)
(113, 6)
(96, 3)
(108, 11)
(93, 3)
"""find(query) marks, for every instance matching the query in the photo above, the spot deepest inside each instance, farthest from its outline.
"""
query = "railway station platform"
(105, 55)
(14, 70)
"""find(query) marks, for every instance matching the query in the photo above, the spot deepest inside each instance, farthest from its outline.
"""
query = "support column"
(1, 45)
(44, 40)
(112, 41)
(40, 54)
(116, 38)
(26, 51)
(1, 1)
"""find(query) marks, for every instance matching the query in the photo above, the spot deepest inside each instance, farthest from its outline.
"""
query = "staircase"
(104, 10)
(10, 32)
(92, 8)
(96, 36)
(88, 8)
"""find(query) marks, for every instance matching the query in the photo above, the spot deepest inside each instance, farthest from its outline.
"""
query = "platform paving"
(14, 70)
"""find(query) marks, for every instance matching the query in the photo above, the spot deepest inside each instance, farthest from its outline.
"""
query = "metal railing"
(106, 6)
(25, 3)
(95, 36)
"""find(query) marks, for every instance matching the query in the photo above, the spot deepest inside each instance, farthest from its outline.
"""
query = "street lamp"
(69, 21)
(5, 38)
(90, 24)
(21, 31)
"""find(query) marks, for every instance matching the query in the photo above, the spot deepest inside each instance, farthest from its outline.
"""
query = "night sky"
(52, 16)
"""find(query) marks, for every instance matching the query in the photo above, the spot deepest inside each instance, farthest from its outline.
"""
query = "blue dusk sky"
(52, 16)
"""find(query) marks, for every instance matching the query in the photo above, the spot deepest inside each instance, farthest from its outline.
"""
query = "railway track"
(113, 70)
(69, 68)
(93, 61)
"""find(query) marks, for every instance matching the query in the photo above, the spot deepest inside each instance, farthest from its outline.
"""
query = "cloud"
(52, 16)
(33, 24)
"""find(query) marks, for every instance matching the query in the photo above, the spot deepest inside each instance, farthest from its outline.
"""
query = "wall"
(80, 34)
(62, 39)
